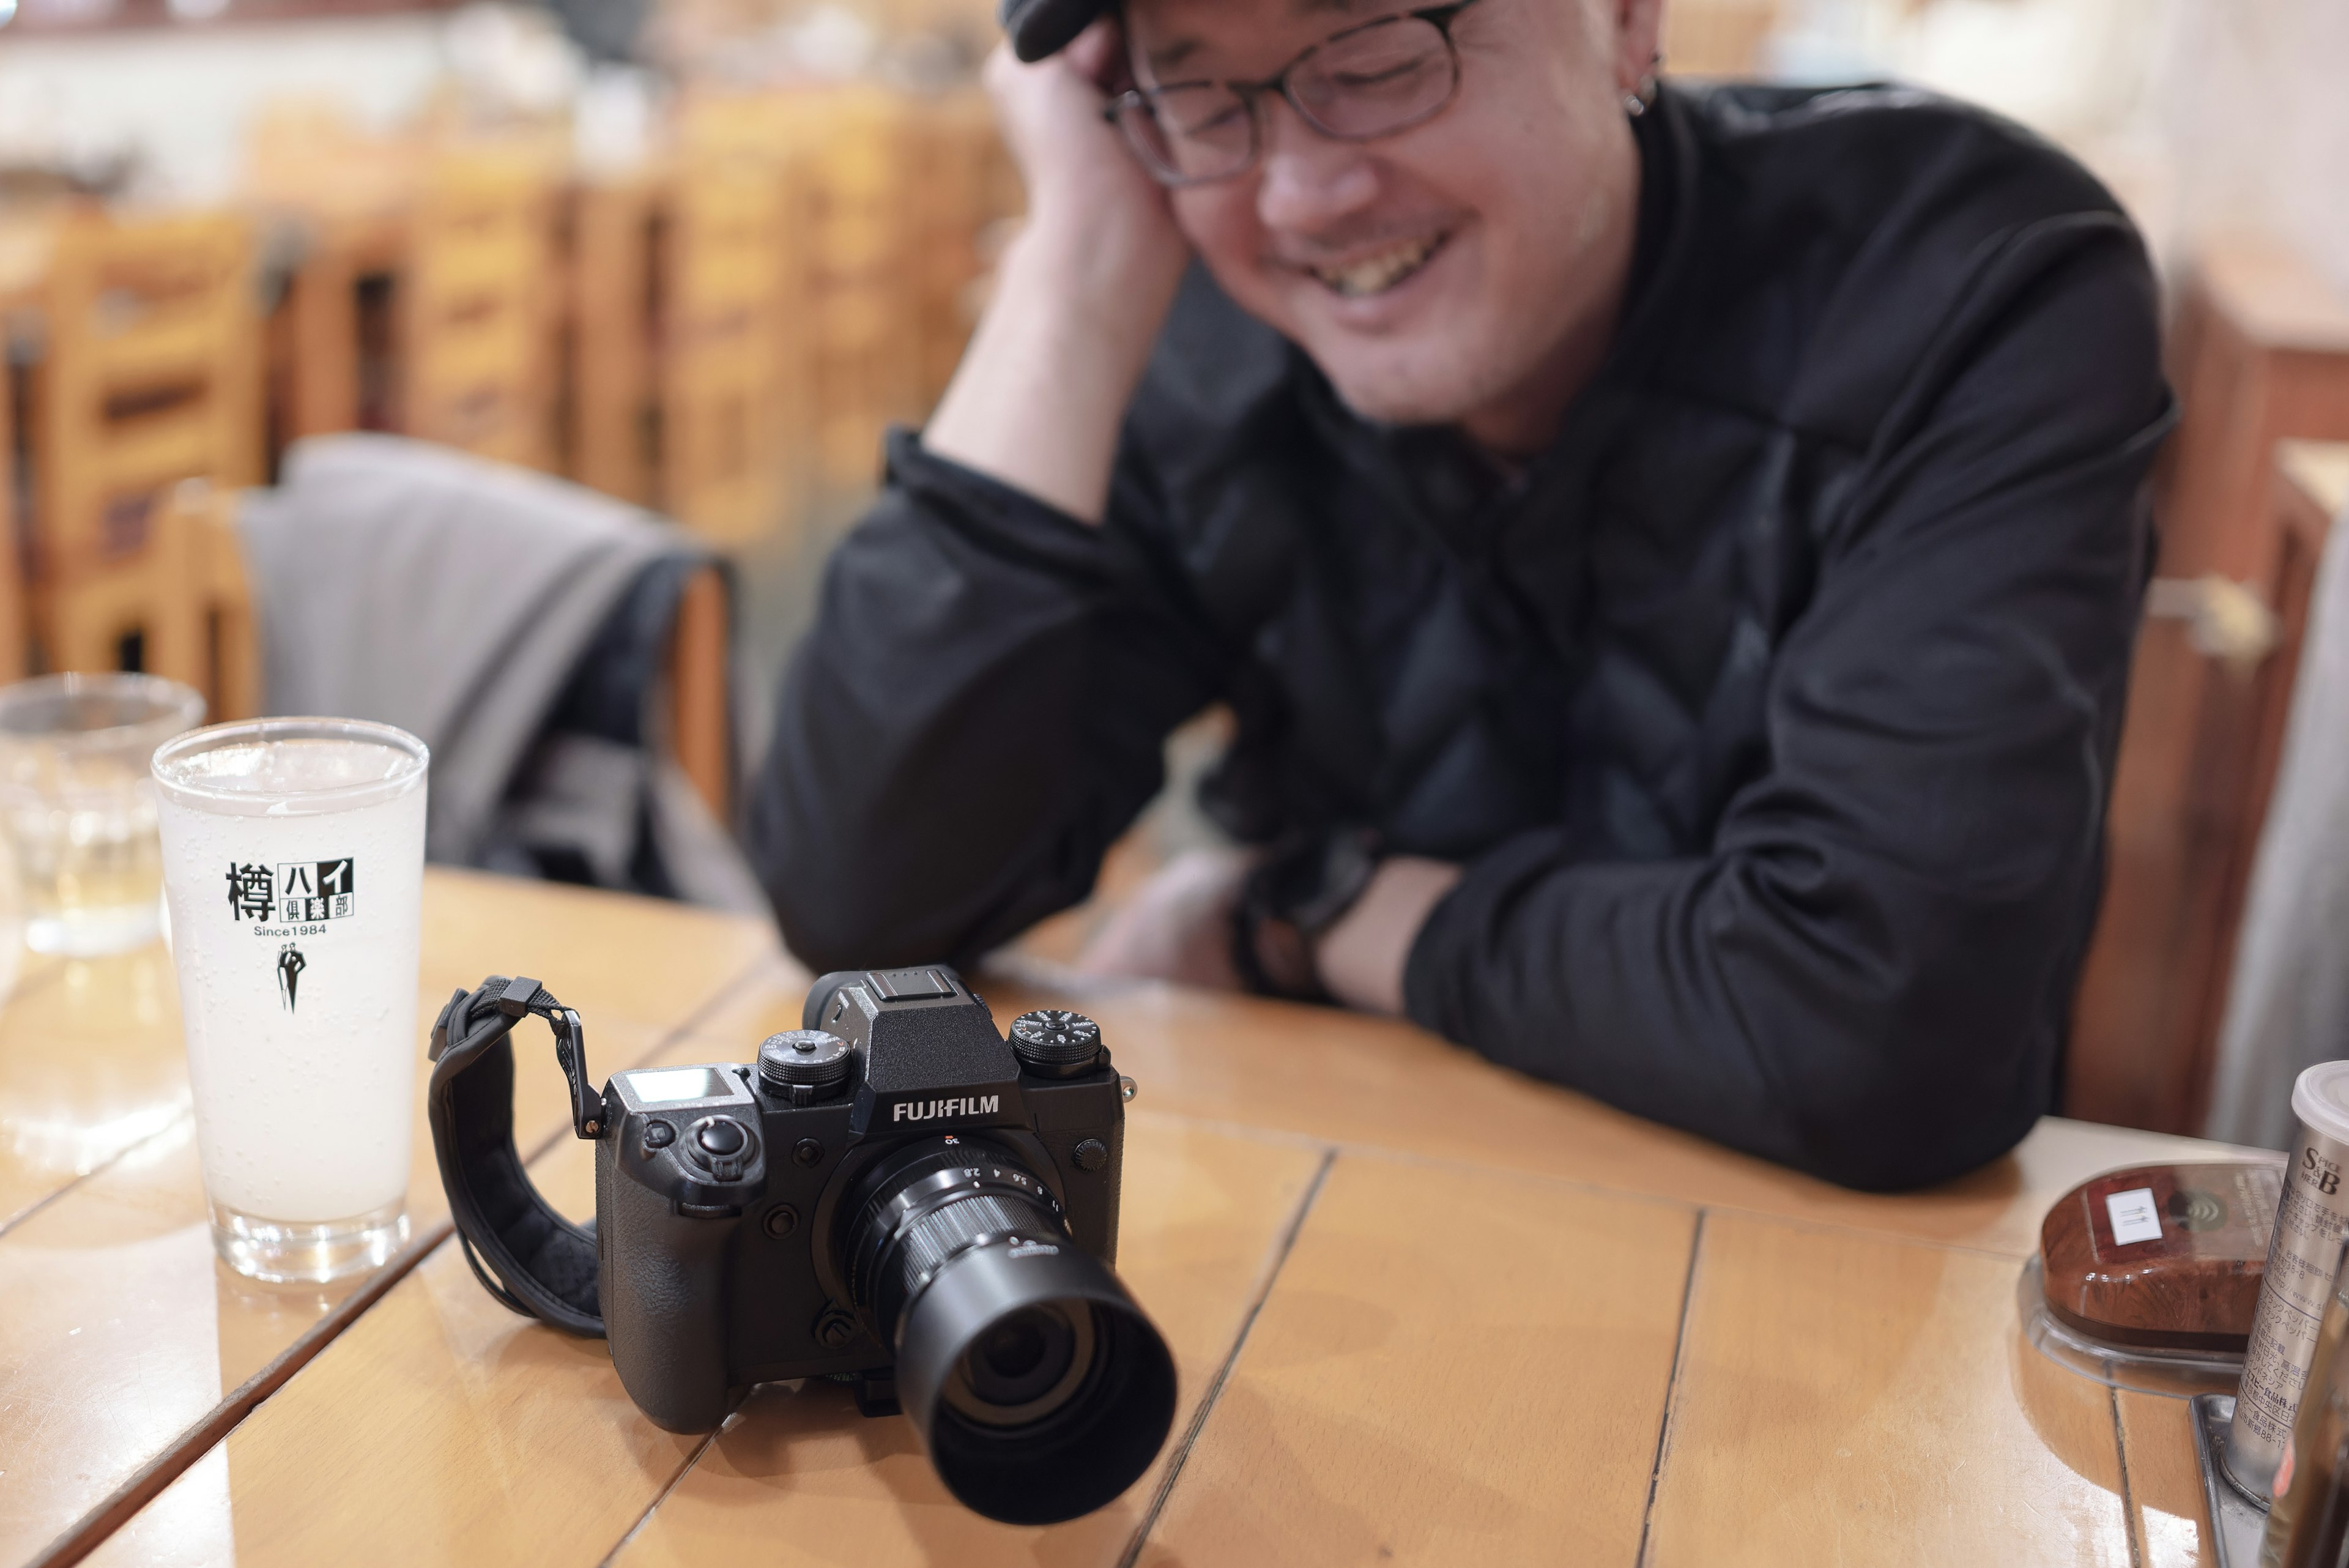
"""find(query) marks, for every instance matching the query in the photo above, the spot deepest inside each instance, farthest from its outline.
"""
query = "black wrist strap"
(524, 1252)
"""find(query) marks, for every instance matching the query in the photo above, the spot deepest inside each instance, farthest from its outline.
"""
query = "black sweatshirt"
(1772, 711)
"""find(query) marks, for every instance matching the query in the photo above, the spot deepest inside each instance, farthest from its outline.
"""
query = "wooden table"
(1424, 1310)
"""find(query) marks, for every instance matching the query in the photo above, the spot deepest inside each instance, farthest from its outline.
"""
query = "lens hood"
(1094, 1442)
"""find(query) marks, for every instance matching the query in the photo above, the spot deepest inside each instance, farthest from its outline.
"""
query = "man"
(1672, 555)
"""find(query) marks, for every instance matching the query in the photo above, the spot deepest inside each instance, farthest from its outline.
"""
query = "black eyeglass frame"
(1252, 94)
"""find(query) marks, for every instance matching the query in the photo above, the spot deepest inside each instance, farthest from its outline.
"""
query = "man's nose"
(1308, 181)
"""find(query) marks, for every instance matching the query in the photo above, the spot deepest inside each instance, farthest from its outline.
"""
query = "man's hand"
(1177, 925)
(1081, 178)
(1362, 957)
(1079, 296)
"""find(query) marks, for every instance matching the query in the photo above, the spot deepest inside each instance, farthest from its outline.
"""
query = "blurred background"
(696, 255)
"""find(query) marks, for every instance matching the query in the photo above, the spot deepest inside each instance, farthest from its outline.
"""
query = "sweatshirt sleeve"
(1859, 979)
(977, 714)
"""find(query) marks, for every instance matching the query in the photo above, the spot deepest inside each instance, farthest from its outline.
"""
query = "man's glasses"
(1366, 82)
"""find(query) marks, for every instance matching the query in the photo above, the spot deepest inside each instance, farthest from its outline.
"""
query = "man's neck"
(1517, 426)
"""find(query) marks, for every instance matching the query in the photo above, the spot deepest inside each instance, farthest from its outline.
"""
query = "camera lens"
(1024, 1367)
(1040, 1387)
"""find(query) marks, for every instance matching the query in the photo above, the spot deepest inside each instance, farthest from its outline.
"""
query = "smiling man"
(1672, 553)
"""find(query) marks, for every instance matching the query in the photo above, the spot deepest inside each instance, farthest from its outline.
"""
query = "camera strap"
(524, 1252)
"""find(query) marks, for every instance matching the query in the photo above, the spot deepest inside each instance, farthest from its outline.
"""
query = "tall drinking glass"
(294, 862)
(81, 808)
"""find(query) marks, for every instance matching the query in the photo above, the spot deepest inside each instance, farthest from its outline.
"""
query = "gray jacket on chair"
(411, 584)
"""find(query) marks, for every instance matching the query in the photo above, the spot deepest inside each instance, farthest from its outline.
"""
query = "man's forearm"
(1041, 392)
(1079, 298)
(1361, 958)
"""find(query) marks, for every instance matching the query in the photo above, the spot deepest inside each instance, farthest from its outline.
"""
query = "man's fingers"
(1098, 54)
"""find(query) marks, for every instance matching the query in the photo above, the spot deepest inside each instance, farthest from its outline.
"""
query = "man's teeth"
(1376, 274)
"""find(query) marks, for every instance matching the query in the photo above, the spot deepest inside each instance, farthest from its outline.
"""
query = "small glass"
(293, 858)
(80, 807)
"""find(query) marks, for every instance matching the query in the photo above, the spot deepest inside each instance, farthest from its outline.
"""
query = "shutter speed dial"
(1055, 1043)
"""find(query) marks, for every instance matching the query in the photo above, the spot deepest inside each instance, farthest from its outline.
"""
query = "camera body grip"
(661, 1276)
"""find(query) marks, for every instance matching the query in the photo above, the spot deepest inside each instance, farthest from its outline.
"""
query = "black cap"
(1041, 27)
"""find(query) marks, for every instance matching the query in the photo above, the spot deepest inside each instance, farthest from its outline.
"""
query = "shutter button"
(723, 1147)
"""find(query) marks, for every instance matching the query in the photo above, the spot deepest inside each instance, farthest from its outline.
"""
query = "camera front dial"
(1039, 1387)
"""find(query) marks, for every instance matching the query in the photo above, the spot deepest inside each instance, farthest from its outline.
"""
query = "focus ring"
(942, 1233)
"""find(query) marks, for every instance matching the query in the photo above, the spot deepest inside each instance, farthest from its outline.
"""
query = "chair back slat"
(724, 458)
(149, 382)
(150, 376)
(475, 306)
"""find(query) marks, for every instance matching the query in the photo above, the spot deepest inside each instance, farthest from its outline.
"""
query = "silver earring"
(1636, 102)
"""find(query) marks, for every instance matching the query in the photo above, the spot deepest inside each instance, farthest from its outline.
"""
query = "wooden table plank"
(91, 1066)
(1347, 1079)
(1845, 1400)
(440, 1428)
(119, 1335)
(446, 1430)
(2171, 1520)
(1453, 1367)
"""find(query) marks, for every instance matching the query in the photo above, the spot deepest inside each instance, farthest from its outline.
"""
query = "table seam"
(2128, 1500)
(116, 1509)
(674, 1481)
(1671, 1392)
(186, 1112)
(1628, 1194)
(1216, 1385)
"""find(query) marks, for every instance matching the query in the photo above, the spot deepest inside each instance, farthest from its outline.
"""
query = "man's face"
(1437, 272)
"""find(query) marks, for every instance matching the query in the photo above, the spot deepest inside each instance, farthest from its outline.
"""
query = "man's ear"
(1639, 34)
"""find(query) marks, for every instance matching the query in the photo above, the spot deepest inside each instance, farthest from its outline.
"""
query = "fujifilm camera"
(894, 1195)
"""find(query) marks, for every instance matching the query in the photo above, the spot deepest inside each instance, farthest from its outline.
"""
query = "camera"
(900, 1197)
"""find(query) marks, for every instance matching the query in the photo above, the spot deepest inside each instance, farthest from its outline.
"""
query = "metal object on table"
(2236, 1522)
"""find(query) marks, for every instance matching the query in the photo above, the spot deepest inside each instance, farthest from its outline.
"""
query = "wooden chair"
(726, 240)
(609, 396)
(1717, 38)
(187, 601)
(14, 646)
(182, 602)
(2240, 723)
(329, 339)
(861, 286)
(2260, 353)
(151, 377)
(702, 732)
(960, 182)
(342, 197)
(476, 312)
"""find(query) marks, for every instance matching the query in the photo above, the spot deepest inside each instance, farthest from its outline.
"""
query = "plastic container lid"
(2321, 1099)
